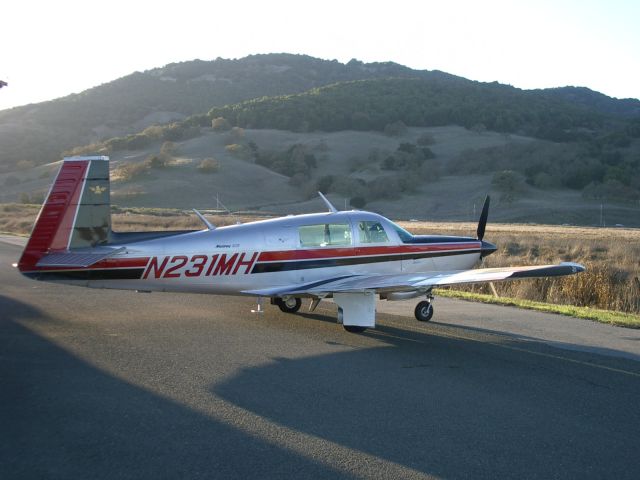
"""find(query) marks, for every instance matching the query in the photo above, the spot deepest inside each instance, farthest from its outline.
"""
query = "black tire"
(290, 305)
(354, 328)
(424, 311)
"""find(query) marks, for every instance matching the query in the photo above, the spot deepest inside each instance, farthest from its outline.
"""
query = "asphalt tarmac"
(107, 384)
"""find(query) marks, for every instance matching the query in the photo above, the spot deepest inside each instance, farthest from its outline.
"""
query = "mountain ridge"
(38, 133)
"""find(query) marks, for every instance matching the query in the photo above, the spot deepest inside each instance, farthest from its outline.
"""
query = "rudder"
(76, 213)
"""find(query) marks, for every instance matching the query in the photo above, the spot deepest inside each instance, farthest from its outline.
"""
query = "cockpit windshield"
(402, 233)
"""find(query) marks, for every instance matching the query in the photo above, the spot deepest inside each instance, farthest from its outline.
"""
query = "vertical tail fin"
(76, 212)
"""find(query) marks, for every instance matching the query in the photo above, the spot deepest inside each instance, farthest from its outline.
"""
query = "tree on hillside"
(220, 124)
(395, 129)
(236, 135)
(426, 139)
(209, 165)
(168, 149)
(509, 183)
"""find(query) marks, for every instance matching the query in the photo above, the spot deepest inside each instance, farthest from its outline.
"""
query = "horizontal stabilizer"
(77, 259)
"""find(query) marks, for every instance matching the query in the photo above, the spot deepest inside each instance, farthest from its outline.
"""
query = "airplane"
(349, 256)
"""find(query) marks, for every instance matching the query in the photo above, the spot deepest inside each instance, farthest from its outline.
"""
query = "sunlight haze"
(52, 49)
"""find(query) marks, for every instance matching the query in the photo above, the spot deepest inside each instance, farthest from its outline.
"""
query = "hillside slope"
(355, 163)
(373, 104)
(40, 132)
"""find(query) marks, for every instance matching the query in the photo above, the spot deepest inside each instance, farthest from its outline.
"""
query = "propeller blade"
(483, 218)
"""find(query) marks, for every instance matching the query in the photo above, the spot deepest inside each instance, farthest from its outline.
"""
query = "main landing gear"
(424, 309)
(349, 328)
(354, 328)
(288, 305)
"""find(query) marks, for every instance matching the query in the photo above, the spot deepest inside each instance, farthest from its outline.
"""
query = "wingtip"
(575, 267)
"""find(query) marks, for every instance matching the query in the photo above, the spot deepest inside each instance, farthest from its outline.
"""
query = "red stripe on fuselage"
(320, 253)
(121, 263)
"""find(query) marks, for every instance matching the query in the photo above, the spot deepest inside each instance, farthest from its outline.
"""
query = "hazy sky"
(53, 48)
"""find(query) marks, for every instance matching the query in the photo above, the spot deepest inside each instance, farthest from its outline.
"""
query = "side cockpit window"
(372, 232)
(325, 235)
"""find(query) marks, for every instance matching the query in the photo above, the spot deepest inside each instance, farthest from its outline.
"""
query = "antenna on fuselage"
(209, 225)
(332, 209)
(219, 203)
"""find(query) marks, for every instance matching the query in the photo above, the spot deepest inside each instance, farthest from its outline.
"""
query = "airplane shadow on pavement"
(442, 406)
(454, 408)
(61, 417)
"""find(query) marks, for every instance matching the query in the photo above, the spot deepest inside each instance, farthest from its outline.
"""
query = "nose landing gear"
(424, 309)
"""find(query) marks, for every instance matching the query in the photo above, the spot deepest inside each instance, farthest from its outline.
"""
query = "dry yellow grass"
(18, 219)
(467, 228)
(611, 255)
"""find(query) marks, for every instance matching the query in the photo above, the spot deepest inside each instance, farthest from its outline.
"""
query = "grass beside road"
(603, 316)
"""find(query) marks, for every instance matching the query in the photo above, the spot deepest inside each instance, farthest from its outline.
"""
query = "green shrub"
(239, 151)
(156, 161)
(209, 165)
(220, 124)
(426, 139)
(395, 129)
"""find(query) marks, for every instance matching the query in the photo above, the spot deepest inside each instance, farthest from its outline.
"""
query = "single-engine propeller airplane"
(350, 256)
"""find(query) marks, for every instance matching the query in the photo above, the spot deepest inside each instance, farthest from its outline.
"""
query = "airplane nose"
(487, 248)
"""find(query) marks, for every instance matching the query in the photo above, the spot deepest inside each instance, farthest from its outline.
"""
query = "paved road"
(105, 384)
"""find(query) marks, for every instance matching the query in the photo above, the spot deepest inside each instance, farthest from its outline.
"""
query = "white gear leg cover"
(358, 309)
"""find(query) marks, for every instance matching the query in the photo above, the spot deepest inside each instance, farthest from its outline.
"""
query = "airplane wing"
(417, 281)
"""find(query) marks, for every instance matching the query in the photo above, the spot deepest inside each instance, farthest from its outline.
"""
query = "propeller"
(482, 223)
(486, 248)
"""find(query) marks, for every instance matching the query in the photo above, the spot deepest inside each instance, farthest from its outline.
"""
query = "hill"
(283, 171)
(592, 152)
(39, 133)
(373, 104)
(628, 107)
(410, 144)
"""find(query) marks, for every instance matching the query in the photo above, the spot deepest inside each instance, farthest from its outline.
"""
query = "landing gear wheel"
(424, 311)
(289, 305)
(354, 328)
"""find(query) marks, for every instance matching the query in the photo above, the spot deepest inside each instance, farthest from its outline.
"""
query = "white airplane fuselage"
(234, 259)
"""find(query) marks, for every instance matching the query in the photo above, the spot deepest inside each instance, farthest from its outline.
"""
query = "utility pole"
(602, 214)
